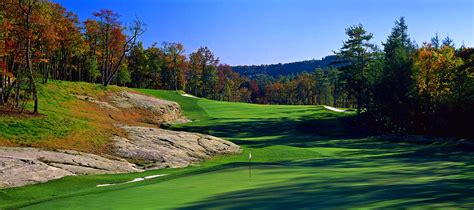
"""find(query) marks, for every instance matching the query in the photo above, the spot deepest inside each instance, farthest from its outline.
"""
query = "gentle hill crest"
(286, 68)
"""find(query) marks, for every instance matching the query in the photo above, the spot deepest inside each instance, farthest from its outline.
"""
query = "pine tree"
(393, 93)
(357, 51)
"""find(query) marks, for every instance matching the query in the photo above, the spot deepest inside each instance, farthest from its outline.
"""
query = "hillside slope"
(64, 121)
(118, 125)
(276, 70)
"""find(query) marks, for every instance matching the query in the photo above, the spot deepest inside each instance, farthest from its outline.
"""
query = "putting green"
(303, 157)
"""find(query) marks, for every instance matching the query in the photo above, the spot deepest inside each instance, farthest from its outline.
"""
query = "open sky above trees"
(244, 32)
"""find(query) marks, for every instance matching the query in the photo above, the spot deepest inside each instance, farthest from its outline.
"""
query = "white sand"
(188, 95)
(136, 180)
(334, 109)
(133, 180)
(104, 185)
(154, 176)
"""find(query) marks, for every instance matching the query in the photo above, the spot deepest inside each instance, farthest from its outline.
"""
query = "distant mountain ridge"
(285, 69)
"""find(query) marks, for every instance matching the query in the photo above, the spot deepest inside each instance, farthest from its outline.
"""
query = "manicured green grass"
(303, 157)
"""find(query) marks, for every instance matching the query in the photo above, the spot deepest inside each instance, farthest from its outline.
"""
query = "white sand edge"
(333, 108)
(188, 95)
(133, 180)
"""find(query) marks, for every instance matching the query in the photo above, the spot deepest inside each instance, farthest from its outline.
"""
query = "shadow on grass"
(339, 194)
(389, 174)
(339, 186)
(268, 127)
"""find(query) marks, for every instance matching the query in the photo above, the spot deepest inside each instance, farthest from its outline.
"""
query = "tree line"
(279, 69)
(40, 40)
(199, 73)
(405, 88)
(397, 87)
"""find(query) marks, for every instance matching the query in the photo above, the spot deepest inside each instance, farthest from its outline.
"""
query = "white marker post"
(250, 164)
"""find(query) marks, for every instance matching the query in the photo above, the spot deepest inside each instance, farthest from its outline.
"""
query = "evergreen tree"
(209, 81)
(335, 83)
(393, 92)
(357, 50)
(319, 78)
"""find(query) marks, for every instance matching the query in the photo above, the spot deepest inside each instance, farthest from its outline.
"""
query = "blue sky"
(281, 31)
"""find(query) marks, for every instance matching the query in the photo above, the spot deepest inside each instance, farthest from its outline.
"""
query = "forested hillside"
(294, 68)
(397, 87)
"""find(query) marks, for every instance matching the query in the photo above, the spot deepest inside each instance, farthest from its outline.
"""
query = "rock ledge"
(164, 148)
(22, 166)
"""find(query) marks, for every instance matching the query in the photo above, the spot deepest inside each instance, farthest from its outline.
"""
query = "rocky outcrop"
(154, 110)
(101, 104)
(157, 147)
(21, 166)
(163, 148)
(163, 110)
(150, 148)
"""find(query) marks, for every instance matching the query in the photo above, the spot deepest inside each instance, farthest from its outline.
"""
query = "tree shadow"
(401, 188)
(308, 127)
(391, 173)
(339, 194)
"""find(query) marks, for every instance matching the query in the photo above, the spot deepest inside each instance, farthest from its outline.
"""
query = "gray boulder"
(164, 148)
(164, 111)
(22, 166)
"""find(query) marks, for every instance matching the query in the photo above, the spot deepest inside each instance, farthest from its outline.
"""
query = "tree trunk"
(175, 79)
(2, 85)
(30, 69)
(17, 94)
(46, 73)
(105, 75)
(79, 67)
(29, 62)
(9, 90)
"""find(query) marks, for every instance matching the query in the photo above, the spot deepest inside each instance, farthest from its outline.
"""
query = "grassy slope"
(290, 168)
(64, 121)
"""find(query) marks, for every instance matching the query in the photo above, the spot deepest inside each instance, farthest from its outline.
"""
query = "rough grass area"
(303, 157)
(64, 122)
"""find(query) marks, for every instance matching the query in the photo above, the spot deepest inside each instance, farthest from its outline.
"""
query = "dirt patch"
(7, 143)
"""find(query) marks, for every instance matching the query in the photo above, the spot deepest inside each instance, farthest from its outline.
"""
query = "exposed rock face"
(157, 148)
(102, 104)
(21, 166)
(17, 172)
(164, 148)
(161, 148)
(165, 111)
(162, 111)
